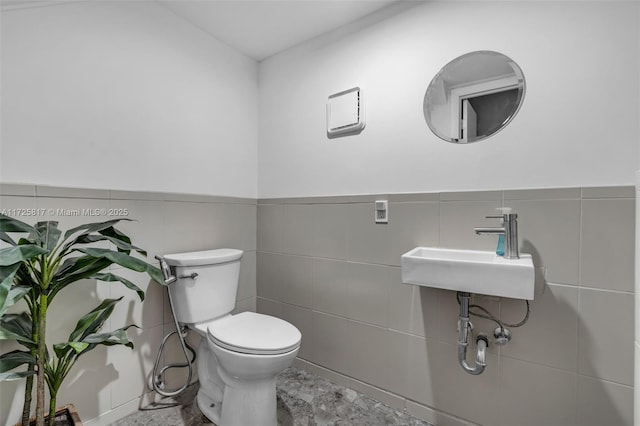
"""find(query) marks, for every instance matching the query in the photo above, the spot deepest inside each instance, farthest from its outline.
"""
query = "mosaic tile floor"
(304, 399)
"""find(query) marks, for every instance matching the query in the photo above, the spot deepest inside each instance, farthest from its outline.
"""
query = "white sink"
(481, 272)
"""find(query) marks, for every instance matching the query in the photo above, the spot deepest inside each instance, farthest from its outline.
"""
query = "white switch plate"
(382, 211)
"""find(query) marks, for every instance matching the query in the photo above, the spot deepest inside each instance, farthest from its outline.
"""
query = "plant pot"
(65, 416)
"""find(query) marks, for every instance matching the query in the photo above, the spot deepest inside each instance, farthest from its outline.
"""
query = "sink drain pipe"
(464, 329)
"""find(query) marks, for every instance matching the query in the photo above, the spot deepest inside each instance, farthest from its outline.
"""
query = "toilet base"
(228, 400)
(249, 403)
(209, 407)
(243, 405)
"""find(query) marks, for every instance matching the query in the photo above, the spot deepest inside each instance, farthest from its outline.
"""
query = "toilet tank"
(209, 294)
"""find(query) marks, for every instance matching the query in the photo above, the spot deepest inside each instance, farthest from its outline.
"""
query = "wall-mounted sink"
(481, 272)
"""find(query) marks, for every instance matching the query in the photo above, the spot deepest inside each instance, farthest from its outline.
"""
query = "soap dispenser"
(500, 248)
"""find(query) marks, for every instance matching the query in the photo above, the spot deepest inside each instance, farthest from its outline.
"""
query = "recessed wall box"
(345, 113)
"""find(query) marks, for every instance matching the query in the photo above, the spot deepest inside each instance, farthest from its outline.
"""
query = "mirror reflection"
(474, 96)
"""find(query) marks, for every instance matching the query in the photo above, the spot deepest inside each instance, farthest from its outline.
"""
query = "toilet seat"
(252, 333)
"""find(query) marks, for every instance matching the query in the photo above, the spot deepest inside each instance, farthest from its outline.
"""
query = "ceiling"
(263, 28)
(258, 28)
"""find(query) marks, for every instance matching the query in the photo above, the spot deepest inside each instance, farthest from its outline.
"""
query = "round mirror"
(474, 96)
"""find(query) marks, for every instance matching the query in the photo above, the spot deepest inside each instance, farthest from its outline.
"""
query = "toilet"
(240, 356)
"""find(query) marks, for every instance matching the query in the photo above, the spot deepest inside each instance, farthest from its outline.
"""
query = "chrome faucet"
(509, 229)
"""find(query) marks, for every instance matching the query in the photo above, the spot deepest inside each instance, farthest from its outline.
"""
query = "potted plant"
(34, 269)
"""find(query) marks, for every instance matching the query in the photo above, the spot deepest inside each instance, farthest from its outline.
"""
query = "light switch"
(382, 211)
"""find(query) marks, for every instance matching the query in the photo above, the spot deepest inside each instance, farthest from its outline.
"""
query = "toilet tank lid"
(204, 257)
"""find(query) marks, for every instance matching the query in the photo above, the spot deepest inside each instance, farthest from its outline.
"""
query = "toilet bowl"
(241, 355)
(245, 353)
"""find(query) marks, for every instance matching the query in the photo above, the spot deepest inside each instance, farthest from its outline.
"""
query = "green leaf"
(17, 327)
(20, 253)
(126, 261)
(113, 277)
(120, 244)
(14, 359)
(121, 259)
(62, 348)
(92, 227)
(6, 238)
(49, 234)
(11, 260)
(8, 271)
(7, 335)
(7, 377)
(14, 296)
(117, 235)
(117, 337)
(93, 321)
(7, 274)
(156, 275)
(78, 346)
(9, 224)
(76, 269)
(24, 279)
